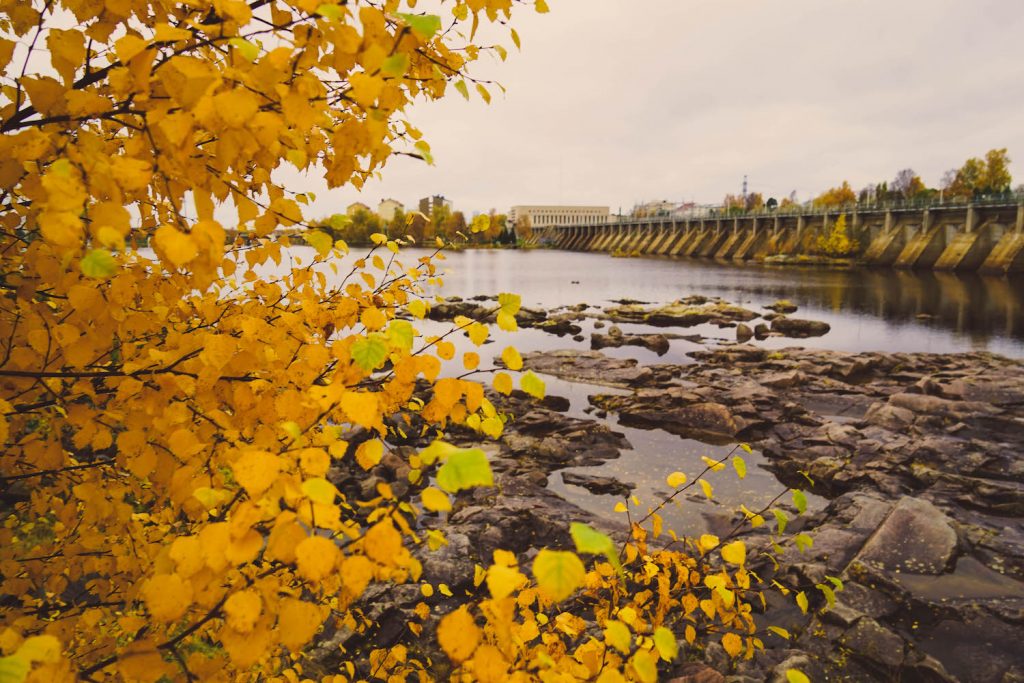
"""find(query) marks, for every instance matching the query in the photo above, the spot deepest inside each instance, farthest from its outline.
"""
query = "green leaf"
(665, 642)
(98, 263)
(803, 542)
(558, 573)
(13, 669)
(796, 676)
(779, 631)
(319, 490)
(460, 85)
(395, 65)
(426, 25)
(332, 12)
(465, 469)
(369, 352)
(740, 466)
(401, 334)
(837, 582)
(781, 518)
(249, 51)
(320, 241)
(438, 450)
(800, 501)
(589, 540)
(532, 384)
(830, 596)
(510, 303)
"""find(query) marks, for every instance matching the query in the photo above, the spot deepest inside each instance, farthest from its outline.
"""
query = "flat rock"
(915, 537)
(589, 367)
(599, 485)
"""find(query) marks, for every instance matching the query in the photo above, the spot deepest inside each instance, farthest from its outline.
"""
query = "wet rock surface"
(920, 457)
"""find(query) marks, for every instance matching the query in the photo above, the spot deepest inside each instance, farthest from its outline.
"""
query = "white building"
(387, 208)
(545, 216)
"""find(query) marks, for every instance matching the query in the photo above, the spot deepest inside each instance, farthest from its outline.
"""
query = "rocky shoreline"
(917, 455)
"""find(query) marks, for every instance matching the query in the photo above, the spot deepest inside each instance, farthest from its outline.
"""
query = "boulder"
(653, 342)
(799, 329)
(743, 333)
(782, 306)
(761, 331)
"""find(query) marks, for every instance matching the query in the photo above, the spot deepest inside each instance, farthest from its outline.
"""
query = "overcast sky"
(612, 102)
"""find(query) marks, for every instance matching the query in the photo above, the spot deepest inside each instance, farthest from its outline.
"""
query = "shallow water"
(869, 310)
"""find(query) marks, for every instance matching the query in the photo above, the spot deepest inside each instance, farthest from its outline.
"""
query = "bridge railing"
(1006, 199)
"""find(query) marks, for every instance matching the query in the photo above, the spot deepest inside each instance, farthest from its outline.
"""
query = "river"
(868, 310)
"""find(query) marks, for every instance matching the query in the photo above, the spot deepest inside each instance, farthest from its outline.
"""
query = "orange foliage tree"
(170, 414)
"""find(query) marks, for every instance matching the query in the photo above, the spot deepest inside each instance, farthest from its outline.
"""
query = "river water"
(868, 310)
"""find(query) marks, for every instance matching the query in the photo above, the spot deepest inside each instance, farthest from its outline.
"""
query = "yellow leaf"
(470, 360)
(645, 664)
(502, 581)
(713, 465)
(369, 453)
(558, 573)
(707, 542)
(458, 635)
(129, 46)
(383, 543)
(477, 333)
(361, 407)
(665, 642)
(175, 245)
(735, 553)
(316, 558)
(436, 500)
(417, 308)
(167, 597)
(532, 384)
(733, 644)
(618, 636)
(507, 322)
(801, 601)
(620, 507)
(511, 358)
(796, 676)
(706, 488)
(319, 490)
(297, 621)
(243, 609)
(445, 350)
(503, 383)
(45, 649)
(676, 479)
(509, 303)
(373, 318)
(256, 471)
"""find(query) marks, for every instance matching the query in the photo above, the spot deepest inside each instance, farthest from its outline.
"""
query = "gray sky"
(616, 101)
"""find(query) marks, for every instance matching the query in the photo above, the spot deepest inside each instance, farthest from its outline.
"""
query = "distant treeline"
(978, 177)
(449, 225)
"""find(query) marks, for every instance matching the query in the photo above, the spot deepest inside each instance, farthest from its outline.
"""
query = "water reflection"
(868, 309)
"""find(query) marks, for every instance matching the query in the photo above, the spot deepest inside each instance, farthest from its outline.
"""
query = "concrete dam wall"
(985, 237)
